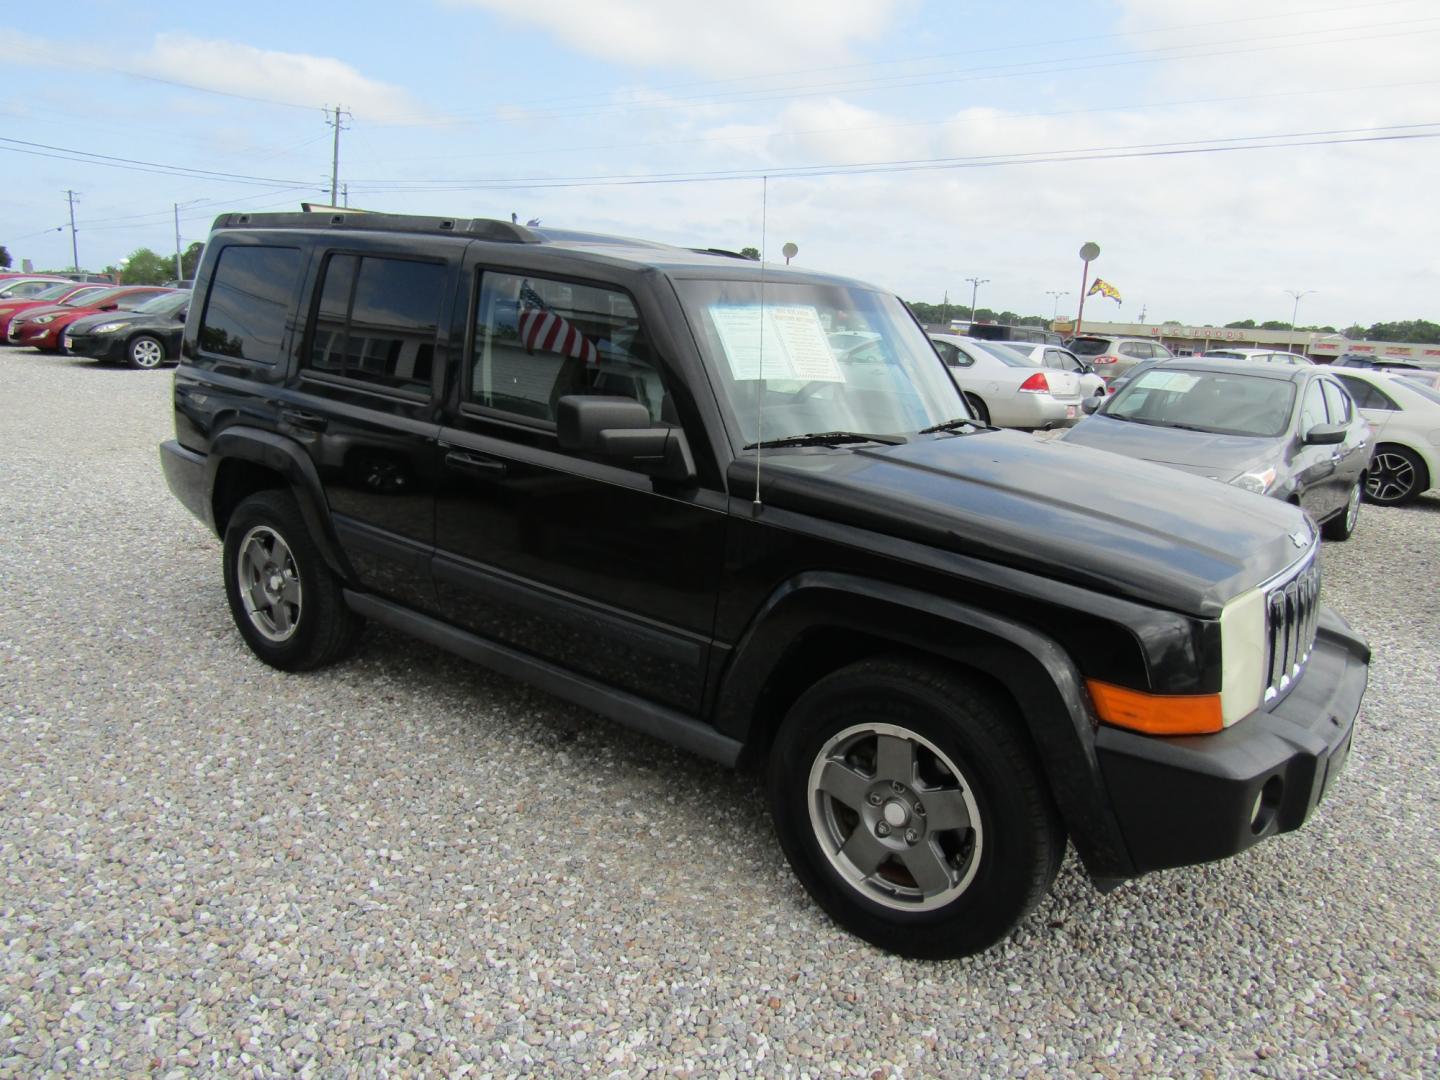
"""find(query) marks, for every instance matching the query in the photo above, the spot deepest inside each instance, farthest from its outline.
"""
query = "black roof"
(680, 261)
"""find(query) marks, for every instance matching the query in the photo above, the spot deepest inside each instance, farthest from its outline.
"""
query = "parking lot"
(404, 863)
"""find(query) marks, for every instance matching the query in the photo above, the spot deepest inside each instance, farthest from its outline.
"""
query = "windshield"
(1220, 402)
(164, 304)
(54, 292)
(1089, 346)
(101, 297)
(83, 296)
(822, 358)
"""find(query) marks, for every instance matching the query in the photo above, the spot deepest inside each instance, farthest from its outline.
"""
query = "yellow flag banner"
(1104, 288)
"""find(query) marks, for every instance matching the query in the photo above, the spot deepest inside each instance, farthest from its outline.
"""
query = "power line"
(136, 165)
(1141, 150)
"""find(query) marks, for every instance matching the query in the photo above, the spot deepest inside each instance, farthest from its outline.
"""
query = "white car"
(1269, 356)
(1405, 416)
(1009, 390)
(1053, 356)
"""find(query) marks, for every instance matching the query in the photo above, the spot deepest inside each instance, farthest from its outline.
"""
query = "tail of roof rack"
(342, 218)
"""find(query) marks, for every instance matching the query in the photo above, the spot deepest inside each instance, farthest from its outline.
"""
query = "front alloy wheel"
(1394, 477)
(145, 353)
(895, 817)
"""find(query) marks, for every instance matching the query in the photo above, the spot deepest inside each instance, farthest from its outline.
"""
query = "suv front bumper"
(1192, 799)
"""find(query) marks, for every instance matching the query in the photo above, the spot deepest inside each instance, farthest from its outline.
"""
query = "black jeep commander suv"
(743, 508)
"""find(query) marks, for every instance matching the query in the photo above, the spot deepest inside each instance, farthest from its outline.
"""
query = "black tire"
(984, 833)
(1397, 476)
(286, 602)
(145, 352)
(1342, 525)
(978, 408)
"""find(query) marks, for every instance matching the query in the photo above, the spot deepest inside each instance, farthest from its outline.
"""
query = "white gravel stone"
(405, 864)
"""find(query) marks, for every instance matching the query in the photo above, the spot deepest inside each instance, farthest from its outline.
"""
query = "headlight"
(45, 319)
(1258, 482)
(1242, 655)
(108, 328)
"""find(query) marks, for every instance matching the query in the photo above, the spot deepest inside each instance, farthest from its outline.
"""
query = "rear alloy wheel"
(978, 408)
(287, 604)
(1342, 524)
(1397, 476)
(145, 352)
(912, 809)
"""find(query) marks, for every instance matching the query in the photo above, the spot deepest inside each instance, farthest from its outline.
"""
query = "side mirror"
(1093, 402)
(1325, 435)
(180, 315)
(620, 428)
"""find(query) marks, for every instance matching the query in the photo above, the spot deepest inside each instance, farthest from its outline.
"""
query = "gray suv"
(1113, 356)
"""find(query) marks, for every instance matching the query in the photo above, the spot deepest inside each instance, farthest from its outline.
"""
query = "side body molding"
(1038, 674)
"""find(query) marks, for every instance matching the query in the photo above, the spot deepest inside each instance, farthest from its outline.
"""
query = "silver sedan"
(1007, 389)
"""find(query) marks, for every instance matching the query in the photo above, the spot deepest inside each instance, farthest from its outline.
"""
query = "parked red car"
(43, 327)
(69, 293)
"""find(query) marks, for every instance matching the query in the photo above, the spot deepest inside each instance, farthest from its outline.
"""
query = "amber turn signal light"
(1156, 714)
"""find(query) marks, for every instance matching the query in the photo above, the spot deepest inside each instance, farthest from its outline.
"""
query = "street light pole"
(1296, 309)
(1056, 293)
(975, 283)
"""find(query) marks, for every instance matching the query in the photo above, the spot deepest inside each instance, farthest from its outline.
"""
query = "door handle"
(475, 463)
(307, 420)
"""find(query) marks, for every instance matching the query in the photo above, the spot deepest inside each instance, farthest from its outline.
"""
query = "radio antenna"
(760, 367)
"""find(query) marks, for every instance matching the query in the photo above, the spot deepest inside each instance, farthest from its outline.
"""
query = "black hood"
(1124, 527)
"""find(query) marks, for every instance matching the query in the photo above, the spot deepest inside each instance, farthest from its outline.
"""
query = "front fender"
(1033, 668)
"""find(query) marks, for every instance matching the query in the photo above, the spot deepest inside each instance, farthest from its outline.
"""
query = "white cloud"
(737, 37)
(228, 67)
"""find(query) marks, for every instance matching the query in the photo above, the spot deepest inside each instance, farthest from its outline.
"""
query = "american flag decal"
(542, 329)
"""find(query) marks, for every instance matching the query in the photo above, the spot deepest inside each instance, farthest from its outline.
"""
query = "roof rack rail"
(344, 218)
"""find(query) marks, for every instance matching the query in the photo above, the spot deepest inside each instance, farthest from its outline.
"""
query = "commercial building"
(1196, 339)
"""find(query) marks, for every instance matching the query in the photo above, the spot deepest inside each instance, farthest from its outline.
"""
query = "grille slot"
(1292, 610)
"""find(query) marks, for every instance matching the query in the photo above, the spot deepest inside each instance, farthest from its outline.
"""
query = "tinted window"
(139, 299)
(1130, 348)
(538, 340)
(250, 298)
(1162, 351)
(1365, 395)
(1059, 358)
(1336, 403)
(952, 355)
(1089, 346)
(376, 320)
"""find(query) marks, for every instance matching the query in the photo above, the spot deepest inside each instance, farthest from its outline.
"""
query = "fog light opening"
(1267, 801)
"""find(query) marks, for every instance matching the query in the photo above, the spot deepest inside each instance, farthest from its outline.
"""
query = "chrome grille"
(1292, 609)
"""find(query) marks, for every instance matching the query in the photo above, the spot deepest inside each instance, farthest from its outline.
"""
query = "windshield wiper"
(828, 438)
(952, 425)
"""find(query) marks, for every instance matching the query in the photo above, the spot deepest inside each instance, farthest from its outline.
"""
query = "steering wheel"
(810, 389)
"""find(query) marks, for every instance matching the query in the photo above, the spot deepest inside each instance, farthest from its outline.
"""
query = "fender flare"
(1033, 668)
(289, 460)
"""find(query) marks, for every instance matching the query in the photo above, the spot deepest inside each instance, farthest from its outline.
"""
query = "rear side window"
(251, 293)
(376, 320)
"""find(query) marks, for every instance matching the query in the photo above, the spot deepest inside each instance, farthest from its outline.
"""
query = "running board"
(634, 712)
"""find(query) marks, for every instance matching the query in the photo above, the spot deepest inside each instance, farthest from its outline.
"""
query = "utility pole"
(345, 195)
(338, 123)
(975, 283)
(74, 244)
(179, 269)
(1297, 294)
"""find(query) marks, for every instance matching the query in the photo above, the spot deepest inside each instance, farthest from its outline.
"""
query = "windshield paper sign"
(794, 343)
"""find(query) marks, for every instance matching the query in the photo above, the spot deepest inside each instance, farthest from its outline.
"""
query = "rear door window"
(376, 320)
(1364, 395)
(252, 291)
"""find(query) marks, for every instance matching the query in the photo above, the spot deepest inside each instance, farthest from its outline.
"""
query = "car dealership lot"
(406, 862)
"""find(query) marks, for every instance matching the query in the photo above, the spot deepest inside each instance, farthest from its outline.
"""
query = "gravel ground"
(405, 864)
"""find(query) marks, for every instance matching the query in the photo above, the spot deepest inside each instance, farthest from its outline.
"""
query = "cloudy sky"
(1219, 153)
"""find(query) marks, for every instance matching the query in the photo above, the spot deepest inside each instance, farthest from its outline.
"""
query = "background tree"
(751, 253)
(1411, 331)
(145, 267)
(1243, 324)
(1275, 324)
(4, 258)
(190, 260)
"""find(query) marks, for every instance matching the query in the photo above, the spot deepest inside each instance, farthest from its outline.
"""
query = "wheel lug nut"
(874, 798)
(882, 829)
(896, 786)
(911, 836)
(919, 810)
